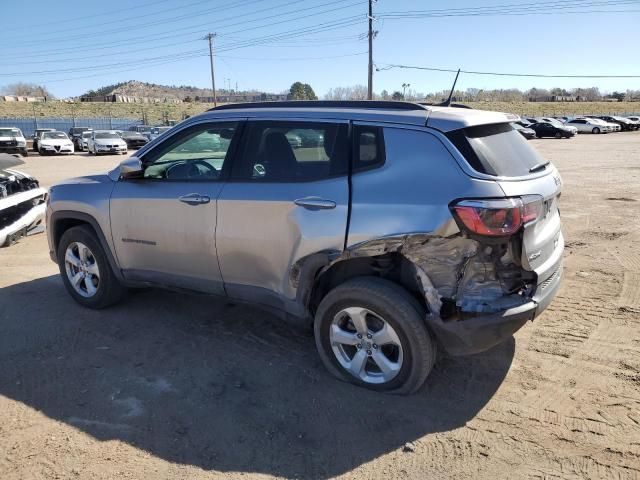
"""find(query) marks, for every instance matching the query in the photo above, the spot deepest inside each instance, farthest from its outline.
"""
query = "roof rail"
(368, 104)
(444, 104)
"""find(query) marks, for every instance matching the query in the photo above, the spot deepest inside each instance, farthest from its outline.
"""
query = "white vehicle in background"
(84, 141)
(106, 141)
(589, 125)
(634, 118)
(557, 123)
(12, 141)
(613, 126)
(53, 143)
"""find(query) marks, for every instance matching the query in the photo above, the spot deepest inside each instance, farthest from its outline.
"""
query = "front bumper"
(55, 150)
(480, 333)
(14, 149)
(118, 149)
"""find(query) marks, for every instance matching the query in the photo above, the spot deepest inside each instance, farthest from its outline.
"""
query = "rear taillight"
(497, 218)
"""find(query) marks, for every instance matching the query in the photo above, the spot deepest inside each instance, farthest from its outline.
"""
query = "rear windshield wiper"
(539, 167)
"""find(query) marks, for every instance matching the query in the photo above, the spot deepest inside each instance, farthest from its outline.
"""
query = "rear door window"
(496, 149)
(292, 151)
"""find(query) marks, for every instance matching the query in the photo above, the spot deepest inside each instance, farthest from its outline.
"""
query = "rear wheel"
(372, 333)
(595, 130)
(85, 269)
(558, 135)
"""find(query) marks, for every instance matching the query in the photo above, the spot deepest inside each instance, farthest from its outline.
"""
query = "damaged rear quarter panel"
(413, 194)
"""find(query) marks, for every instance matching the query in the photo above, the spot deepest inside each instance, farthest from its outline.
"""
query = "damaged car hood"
(22, 202)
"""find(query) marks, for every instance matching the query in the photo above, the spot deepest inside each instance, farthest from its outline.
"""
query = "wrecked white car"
(12, 141)
(22, 202)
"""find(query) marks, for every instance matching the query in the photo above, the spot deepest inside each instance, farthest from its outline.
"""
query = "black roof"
(368, 104)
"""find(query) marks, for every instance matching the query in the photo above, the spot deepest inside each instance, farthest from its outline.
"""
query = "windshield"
(10, 132)
(57, 135)
(554, 122)
(496, 149)
(107, 135)
(132, 135)
(86, 134)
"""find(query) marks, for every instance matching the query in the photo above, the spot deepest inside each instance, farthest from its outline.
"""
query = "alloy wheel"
(366, 345)
(82, 269)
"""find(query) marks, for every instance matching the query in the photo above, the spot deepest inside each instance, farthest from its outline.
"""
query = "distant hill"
(134, 88)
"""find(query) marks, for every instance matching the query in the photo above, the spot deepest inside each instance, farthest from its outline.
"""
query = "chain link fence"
(29, 125)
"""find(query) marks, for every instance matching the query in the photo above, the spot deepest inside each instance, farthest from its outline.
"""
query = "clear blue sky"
(75, 45)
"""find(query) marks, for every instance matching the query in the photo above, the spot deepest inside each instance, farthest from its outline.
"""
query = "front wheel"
(85, 269)
(558, 135)
(595, 130)
(372, 333)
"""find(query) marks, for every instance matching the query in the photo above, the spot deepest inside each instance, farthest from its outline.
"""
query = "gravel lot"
(175, 386)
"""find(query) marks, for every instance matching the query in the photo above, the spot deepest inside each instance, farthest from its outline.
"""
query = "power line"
(84, 17)
(499, 74)
(172, 20)
(192, 33)
(540, 8)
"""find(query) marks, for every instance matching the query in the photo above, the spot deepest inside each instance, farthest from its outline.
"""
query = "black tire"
(24, 153)
(42, 153)
(400, 310)
(595, 130)
(109, 291)
(558, 135)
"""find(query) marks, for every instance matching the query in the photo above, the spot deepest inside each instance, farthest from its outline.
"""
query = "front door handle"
(315, 203)
(194, 199)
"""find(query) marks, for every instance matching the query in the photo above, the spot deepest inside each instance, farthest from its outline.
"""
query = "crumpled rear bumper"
(480, 333)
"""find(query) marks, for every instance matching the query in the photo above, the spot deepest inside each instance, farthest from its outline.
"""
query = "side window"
(293, 151)
(368, 147)
(197, 153)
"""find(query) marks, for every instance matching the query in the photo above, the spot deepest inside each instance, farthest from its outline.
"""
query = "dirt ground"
(169, 386)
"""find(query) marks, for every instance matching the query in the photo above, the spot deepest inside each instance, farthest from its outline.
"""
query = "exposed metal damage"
(459, 276)
(22, 202)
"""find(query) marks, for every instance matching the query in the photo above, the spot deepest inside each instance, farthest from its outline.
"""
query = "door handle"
(194, 199)
(315, 203)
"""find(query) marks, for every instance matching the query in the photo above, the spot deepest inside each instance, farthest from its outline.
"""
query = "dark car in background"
(625, 123)
(134, 140)
(526, 132)
(75, 134)
(546, 129)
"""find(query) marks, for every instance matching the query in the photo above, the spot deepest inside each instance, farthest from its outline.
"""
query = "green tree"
(619, 96)
(301, 91)
(384, 94)
(309, 93)
(397, 96)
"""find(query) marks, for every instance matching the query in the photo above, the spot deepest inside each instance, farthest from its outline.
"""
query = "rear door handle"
(194, 199)
(315, 203)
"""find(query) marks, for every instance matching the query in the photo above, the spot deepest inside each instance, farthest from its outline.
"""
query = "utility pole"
(210, 37)
(370, 76)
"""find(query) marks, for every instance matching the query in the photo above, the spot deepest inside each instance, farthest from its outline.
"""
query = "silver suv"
(392, 228)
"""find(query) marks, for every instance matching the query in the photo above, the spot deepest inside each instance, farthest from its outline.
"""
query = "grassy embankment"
(156, 113)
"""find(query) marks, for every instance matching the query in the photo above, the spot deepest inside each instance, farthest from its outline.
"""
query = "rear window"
(496, 149)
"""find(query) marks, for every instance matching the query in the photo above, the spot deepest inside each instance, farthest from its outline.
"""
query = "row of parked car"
(48, 141)
(567, 127)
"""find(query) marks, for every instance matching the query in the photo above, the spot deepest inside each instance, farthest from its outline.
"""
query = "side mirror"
(128, 168)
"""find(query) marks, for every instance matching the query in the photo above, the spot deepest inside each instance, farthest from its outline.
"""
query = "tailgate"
(542, 241)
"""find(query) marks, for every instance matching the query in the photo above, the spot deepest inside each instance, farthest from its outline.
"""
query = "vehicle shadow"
(194, 380)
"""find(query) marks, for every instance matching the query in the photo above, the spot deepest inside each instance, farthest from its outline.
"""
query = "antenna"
(448, 102)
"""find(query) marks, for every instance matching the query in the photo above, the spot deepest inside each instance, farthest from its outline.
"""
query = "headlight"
(22, 143)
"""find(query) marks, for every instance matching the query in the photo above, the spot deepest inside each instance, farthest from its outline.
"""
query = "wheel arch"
(391, 266)
(63, 220)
